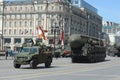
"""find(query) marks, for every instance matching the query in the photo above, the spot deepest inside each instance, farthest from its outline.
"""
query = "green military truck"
(33, 55)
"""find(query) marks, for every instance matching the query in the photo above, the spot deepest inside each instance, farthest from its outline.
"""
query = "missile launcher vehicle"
(117, 48)
(86, 49)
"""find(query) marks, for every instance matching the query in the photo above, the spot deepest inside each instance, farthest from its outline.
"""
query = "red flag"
(42, 33)
(62, 38)
(53, 41)
(26, 32)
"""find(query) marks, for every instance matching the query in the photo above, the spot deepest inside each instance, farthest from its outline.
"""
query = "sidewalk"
(8, 58)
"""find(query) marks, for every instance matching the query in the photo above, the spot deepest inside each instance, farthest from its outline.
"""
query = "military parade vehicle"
(117, 50)
(33, 55)
(86, 49)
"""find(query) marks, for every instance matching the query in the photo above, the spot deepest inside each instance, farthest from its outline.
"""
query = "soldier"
(6, 55)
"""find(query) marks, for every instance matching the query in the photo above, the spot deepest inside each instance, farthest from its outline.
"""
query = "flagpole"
(34, 2)
(46, 12)
(54, 36)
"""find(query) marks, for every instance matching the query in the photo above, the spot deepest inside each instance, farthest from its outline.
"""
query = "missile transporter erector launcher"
(117, 50)
(86, 49)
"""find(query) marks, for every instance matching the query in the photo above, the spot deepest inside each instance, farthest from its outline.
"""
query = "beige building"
(21, 18)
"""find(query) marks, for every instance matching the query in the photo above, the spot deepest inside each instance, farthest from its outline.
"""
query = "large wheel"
(17, 65)
(91, 59)
(74, 60)
(48, 62)
(33, 64)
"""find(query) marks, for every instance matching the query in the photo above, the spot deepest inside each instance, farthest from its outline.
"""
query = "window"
(32, 9)
(25, 23)
(76, 1)
(52, 7)
(15, 23)
(5, 31)
(7, 40)
(31, 23)
(25, 16)
(20, 8)
(39, 40)
(39, 16)
(10, 32)
(10, 16)
(26, 9)
(10, 24)
(30, 16)
(20, 31)
(39, 23)
(15, 16)
(52, 31)
(51, 41)
(40, 7)
(26, 40)
(60, 8)
(20, 23)
(5, 23)
(15, 8)
(20, 16)
(17, 40)
(30, 31)
(14, 31)
(26, 31)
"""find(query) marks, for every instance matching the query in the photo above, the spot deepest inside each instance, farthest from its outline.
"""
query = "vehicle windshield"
(25, 50)
(29, 50)
(33, 50)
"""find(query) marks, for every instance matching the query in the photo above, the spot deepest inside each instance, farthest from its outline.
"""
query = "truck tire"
(33, 64)
(48, 62)
(74, 60)
(17, 65)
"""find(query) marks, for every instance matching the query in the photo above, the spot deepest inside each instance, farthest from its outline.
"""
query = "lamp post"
(99, 38)
(34, 3)
(54, 35)
(2, 25)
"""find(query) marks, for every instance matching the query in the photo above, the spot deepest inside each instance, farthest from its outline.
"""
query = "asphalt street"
(62, 69)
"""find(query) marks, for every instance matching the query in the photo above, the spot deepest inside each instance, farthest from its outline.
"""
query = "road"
(63, 69)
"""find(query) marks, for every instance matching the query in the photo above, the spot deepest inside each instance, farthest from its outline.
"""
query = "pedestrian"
(6, 55)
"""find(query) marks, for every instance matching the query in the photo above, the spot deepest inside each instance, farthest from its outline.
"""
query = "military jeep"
(33, 56)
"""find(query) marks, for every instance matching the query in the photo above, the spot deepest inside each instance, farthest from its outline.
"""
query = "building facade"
(82, 3)
(113, 30)
(21, 19)
(110, 27)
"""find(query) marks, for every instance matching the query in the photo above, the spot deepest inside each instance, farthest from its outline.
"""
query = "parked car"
(66, 52)
(57, 53)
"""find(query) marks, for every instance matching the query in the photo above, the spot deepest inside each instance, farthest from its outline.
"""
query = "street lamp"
(55, 34)
(2, 25)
